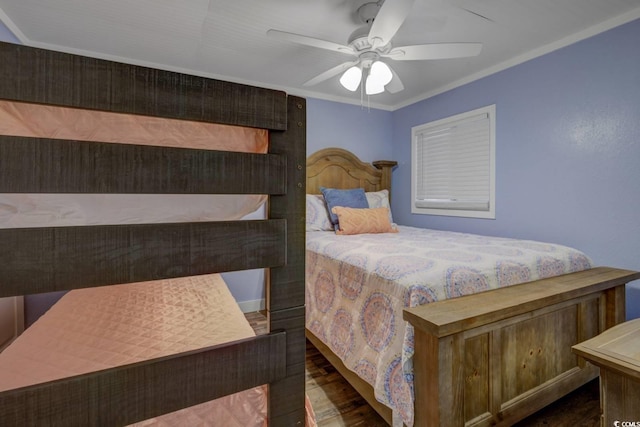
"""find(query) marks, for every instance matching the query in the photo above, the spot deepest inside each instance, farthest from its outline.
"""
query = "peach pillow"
(360, 221)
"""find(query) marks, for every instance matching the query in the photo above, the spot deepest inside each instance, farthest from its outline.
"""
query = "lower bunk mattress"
(99, 328)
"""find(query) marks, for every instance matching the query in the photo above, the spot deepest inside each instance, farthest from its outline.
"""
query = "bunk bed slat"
(48, 77)
(34, 165)
(131, 393)
(40, 260)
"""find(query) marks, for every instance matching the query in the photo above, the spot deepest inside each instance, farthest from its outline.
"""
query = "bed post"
(285, 290)
(385, 166)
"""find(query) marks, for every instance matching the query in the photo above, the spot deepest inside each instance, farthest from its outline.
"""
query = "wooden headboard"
(339, 168)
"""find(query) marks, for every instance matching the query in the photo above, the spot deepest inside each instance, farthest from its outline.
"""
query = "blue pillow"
(353, 198)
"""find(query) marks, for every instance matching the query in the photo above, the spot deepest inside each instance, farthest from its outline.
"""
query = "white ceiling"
(226, 39)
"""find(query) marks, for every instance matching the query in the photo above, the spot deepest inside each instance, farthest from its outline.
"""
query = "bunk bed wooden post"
(285, 297)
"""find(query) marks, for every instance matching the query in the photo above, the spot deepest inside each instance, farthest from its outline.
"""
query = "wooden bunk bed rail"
(37, 165)
(47, 77)
(136, 392)
(495, 357)
(37, 260)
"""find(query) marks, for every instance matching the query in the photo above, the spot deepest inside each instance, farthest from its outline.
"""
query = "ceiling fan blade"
(473, 7)
(423, 52)
(330, 73)
(310, 41)
(388, 21)
(395, 85)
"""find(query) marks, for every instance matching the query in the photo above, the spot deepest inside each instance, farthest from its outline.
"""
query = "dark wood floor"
(337, 404)
(334, 401)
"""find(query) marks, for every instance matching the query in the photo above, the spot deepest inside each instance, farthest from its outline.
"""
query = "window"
(453, 165)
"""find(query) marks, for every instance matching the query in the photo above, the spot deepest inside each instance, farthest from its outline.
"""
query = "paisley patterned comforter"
(357, 286)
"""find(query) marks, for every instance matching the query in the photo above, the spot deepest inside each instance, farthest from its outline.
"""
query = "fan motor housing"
(359, 39)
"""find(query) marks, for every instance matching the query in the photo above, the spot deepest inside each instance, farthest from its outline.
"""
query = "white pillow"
(317, 214)
(380, 199)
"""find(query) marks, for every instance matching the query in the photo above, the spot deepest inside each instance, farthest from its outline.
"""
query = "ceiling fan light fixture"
(381, 73)
(351, 78)
(371, 43)
(373, 86)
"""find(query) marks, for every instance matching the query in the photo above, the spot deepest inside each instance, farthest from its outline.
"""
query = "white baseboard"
(254, 305)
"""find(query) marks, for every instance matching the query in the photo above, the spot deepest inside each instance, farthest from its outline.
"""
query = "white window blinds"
(453, 161)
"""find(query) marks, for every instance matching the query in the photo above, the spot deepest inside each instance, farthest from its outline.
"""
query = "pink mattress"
(99, 328)
(48, 121)
(51, 210)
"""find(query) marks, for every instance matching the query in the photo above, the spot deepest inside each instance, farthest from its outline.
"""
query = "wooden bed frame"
(40, 260)
(491, 358)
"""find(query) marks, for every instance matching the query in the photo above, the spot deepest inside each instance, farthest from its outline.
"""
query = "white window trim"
(460, 211)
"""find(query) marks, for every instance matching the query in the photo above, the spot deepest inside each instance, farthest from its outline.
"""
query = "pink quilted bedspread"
(99, 328)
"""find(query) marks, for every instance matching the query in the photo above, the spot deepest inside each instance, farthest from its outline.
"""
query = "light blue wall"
(567, 148)
(6, 35)
(365, 132)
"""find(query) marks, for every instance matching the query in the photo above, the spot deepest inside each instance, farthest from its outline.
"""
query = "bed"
(439, 328)
(120, 154)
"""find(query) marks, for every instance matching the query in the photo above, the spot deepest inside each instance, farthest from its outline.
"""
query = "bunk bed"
(155, 253)
(477, 350)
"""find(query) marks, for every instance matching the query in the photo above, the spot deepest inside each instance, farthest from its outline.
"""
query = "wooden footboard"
(498, 356)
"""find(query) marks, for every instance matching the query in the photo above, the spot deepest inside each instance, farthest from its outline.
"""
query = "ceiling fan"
(371, 43)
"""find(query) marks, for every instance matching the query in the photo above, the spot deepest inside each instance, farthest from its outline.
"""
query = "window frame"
(490, 110)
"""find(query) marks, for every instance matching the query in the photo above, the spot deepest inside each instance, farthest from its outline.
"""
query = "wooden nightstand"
(616, 352)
